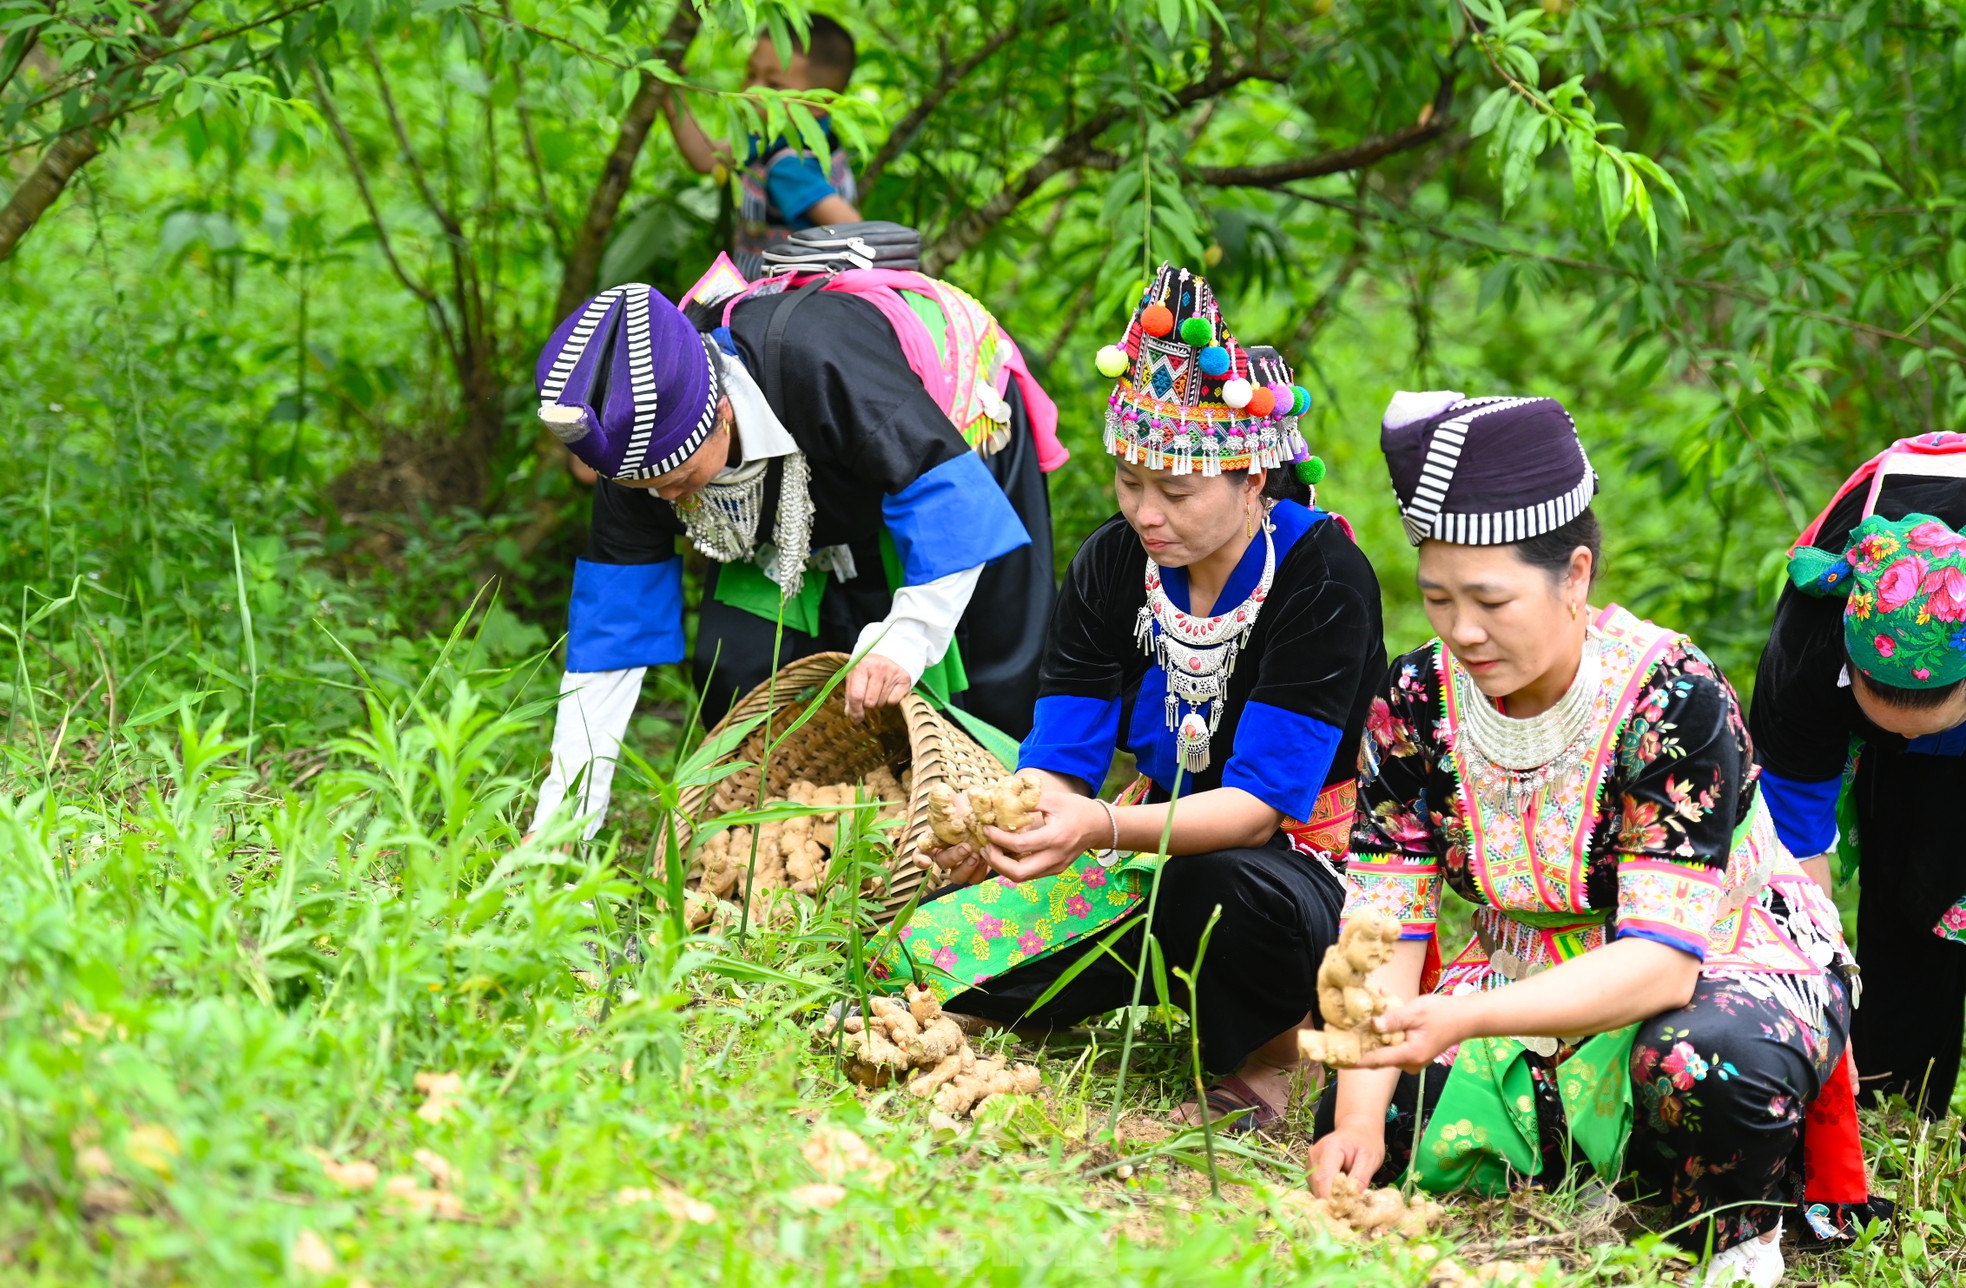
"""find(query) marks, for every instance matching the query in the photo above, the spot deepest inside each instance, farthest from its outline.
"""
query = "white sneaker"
(1757, 1263)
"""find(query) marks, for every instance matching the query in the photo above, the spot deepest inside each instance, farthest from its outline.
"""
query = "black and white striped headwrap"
(629, 384)
(1484, 471)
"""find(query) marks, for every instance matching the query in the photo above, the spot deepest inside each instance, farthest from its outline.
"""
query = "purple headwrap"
(1484, 471)
(629, 384)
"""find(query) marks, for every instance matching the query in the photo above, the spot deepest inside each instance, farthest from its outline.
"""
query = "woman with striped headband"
(1654, 987)
(786, 435)
(1226, 633)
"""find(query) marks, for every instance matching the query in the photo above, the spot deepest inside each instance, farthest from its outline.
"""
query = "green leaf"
(1523, 64)
(1913, 361)
(1525, 144)
(811, 134)
(1490, 110)
(1641, 199)
(183, 702)
(1610, 197)
(1652, 170)
(1583, 162)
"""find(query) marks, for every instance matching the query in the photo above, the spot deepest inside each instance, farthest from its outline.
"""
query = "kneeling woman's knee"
(1718, 1073)
(1254, 900)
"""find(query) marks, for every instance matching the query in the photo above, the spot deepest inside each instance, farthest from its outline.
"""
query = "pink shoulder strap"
(1870, 475)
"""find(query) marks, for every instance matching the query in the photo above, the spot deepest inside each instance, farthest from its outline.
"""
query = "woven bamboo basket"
(830, 748)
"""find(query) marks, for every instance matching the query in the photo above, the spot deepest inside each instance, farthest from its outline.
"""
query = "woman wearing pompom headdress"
(1654, 985)
(1224, 632)
(1859, 723)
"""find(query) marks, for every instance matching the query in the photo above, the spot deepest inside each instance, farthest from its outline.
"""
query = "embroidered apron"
(972, 936)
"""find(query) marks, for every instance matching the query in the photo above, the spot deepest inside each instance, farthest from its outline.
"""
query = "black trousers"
(1911, 830)
(1001, 634)
(1258, 978)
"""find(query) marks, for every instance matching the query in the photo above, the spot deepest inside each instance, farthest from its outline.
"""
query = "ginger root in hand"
(949, 818)
(1347, 1001)
(1009, 804)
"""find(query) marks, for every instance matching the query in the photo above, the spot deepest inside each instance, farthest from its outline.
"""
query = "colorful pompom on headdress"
(1905, 582)
(629, 384)
(1190, 398)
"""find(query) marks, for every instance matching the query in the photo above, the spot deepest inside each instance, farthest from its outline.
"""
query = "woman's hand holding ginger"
(1432, 1024)
(1068, 826)
(1354, 1149)
(960, 864)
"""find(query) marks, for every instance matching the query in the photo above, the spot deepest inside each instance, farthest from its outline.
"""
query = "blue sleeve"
(1073, 736)
(951, 518)
(1805, 813)
(796, 183)
(625, 615)
(1282, 757)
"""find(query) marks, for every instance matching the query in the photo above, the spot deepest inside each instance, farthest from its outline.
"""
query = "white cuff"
(916, 632)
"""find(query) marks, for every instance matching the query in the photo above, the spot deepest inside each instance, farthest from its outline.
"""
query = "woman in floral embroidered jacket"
(1226, 632)
(1675, 992)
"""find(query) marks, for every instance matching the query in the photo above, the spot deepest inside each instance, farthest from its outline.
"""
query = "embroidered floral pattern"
(1905, 583)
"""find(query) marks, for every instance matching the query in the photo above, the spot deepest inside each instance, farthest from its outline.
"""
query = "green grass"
(247, 902)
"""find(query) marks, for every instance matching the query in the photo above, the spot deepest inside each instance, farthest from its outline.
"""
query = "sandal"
(1236, 1101)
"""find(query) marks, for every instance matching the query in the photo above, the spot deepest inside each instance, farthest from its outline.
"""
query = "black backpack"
(835, 248)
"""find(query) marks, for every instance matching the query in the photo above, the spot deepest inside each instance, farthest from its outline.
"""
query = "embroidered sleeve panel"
(1672, 903)
(1407, 890)
(1396, 849)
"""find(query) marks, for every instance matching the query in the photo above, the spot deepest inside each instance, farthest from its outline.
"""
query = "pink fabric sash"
(882, 288)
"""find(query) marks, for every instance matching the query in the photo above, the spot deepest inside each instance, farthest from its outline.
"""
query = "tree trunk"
(69, 152)
(44, 185)
(591, 239)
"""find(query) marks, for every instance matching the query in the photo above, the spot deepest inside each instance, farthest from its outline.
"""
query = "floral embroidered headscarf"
(1905, 580)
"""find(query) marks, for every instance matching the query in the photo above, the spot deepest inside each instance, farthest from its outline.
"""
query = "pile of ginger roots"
(910, 1039)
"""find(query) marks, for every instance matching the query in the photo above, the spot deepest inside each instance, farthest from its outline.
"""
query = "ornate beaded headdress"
(1190, 398)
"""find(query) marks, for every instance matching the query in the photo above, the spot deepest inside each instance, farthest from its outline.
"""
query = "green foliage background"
(264, 377)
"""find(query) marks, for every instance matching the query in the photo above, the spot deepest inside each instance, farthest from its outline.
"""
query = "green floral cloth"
(977, 933)
(1905, 582)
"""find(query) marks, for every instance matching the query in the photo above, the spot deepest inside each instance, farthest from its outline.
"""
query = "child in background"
(785, 187)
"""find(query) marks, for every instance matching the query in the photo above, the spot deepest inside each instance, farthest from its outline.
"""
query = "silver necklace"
(1198, 655)
(1527, 754)
(722, 519)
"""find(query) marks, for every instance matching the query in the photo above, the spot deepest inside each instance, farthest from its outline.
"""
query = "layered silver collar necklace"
(1198, 655)
(722, 520)
(1530, 753)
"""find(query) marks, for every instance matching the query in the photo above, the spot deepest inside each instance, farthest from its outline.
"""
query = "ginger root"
(1353, 1210)
(949, 818)
(1346, 999)
(916, 1043)
(1009, 804)
(792, 854)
